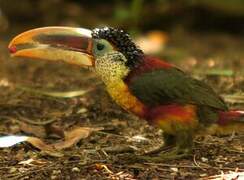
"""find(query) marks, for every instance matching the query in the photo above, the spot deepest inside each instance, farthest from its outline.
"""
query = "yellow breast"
(121, 95)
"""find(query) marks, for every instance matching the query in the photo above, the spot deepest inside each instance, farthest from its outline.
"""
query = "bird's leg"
(183, 143)
(183, 146)
(169, 140)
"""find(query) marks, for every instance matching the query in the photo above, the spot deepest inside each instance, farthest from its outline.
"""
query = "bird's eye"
(100, 46)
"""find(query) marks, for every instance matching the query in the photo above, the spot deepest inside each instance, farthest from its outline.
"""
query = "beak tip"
(12, 49)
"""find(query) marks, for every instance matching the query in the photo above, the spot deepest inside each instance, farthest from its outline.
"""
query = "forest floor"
(27, 109)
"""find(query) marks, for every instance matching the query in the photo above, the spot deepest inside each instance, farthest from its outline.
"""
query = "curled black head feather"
(122, 41)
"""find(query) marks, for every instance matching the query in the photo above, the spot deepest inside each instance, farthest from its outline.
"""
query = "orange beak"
(71, 45)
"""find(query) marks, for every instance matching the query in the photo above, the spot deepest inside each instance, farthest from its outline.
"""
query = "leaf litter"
(71, 138)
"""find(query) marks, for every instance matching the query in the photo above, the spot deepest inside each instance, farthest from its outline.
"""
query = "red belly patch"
(173, 117)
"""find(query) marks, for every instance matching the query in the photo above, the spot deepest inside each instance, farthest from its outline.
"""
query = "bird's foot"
(172, 154)
(157, 150)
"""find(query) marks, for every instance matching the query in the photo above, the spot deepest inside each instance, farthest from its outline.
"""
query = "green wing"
(166, 86)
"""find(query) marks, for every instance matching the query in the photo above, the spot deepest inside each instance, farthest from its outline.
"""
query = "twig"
(41, 123)
(190, 166)
(119, 149)
(21, 118)
(195, 162)
(49, 167)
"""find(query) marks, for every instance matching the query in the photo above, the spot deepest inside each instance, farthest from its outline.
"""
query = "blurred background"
(194, 34)
(156, 22)
(134, 15)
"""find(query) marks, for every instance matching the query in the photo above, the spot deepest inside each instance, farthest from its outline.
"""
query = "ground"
(108, 154)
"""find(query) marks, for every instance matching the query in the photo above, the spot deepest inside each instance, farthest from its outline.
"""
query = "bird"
(146, 86)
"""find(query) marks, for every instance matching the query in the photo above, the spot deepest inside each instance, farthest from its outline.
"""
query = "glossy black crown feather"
(122, 41)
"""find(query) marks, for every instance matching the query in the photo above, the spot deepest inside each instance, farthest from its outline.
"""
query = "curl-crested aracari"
(148, 87)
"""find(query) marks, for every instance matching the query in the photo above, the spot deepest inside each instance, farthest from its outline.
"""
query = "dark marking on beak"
(75, 43)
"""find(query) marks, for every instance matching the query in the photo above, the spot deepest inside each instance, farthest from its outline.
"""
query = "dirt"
(108, 154)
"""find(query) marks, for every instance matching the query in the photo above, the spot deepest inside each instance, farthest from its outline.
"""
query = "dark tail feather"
(229, 122)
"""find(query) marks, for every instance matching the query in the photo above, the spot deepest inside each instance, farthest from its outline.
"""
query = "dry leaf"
(41, 131)
(38, 143)
(57, 94)
(103, 167)
(71, 138)
(46, 148)
(32, 162)
(38, 131)
(227, 176)
(74, 136)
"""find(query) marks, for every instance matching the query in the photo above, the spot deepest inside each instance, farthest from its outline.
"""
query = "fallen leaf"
(74, 136)
(69, 94)
(57, 94)
(39, 144)
(71, 138)
(38, 131)
(32, 162)
(229, 175)
(138, 138)
(103, 167)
